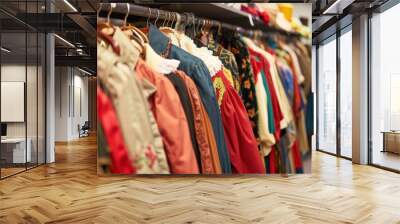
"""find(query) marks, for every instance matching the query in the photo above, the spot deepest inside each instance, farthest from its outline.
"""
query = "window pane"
(385, 83)
(327, 97)
(31, 100)
(346, 94)
(15, 150)
(41, 99)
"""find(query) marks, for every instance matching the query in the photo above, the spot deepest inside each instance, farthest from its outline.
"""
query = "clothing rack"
(128, 9)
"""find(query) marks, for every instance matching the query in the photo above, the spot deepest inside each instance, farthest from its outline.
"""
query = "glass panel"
(327, 96)
(346, 94)
(23, 84)
(13, 87)
(32, 87)
(32, 95)
(41, 99)
(14, 153)
(385, 84)
(313, 80)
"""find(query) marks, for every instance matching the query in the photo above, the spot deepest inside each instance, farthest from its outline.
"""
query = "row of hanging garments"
(178, 101)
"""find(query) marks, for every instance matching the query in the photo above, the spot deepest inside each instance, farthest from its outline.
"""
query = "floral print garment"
(246, 81)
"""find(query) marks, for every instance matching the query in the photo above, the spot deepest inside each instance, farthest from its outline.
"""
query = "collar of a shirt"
(158, 40)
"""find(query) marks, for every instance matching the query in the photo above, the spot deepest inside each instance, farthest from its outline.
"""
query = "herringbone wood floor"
(70, 191)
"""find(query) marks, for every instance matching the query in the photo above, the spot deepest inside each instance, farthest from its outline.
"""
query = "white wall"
(62, 81)
(81, 89)
(33, 127)
(71, 102)
(15, 73)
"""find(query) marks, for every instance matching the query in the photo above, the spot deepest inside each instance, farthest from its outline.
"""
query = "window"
(346, 93)
(22, 78)
(385, 89)
(327, 96)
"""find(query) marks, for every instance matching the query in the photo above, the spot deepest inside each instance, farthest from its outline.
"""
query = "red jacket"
(239, 136)
(120, 160)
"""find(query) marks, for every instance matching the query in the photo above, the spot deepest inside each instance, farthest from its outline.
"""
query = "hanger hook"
(197, 27)
(169, 18)
(175, 20)
(109, 13)
(127, 13)
(194, 25)
(166, 18)
(172, 19)
(178, 21)
(99, 10)
(147, 21)
(158, 14)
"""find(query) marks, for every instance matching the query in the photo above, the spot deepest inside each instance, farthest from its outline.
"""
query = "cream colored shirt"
(158, 63)
(283, 100)
(212, 62)
(129, 96)
(267, 139)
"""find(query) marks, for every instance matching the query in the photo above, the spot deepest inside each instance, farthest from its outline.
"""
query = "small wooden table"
(391, 141)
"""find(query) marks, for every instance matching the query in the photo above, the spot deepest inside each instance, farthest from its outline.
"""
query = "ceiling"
(79, 27)
(330, 15)
(22, 20)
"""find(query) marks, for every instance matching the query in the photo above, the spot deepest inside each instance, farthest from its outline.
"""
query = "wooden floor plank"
(69, 191)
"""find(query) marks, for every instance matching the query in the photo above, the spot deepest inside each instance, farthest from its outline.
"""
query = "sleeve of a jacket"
(239, 135)
(174, 130)
(209, 99)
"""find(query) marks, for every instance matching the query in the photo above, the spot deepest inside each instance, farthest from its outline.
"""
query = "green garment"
(271, 123)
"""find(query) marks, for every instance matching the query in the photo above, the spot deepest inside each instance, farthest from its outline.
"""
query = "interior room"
(22, 96)
(384, 88)
(334, 104)
(51, 168)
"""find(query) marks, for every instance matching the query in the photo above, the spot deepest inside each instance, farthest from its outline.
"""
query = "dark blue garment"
(287, 81)
(197, 70)
(284, 152)
(310, 114)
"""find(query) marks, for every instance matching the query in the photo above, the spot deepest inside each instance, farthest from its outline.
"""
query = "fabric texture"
(267, 138)
(196, 69)
(277, 113)
(103, 153)
(171, 121)
(228, 60)
(204, 132)
(183, 94)
(246, 82)
(239, 135)
(129, 96)
(120, 161)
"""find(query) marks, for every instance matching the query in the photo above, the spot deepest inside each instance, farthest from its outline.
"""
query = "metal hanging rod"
(187, 18)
